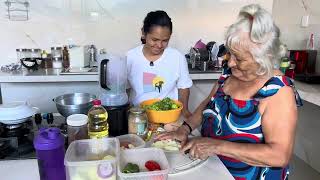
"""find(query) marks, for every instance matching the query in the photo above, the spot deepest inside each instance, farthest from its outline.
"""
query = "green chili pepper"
(131, 168)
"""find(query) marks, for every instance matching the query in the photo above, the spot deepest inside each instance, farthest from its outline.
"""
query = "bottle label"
(141, 128)
(101, 134)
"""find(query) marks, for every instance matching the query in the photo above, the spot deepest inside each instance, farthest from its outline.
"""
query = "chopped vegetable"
(131, 168)
(152, 166)
(163, 105)
(168, 145)
(126, 145)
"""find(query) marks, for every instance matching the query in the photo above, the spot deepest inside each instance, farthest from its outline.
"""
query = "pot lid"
(16, 110)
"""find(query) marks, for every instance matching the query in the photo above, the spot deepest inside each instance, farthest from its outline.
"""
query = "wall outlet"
(305, 21)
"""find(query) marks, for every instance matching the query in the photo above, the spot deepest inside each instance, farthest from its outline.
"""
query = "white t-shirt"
(168, 74)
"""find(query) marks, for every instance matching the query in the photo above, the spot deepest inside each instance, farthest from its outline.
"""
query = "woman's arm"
(195, 120)
(184, 99)
(279, 118)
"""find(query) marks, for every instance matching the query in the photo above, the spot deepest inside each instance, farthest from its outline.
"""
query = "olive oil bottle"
(98, 126)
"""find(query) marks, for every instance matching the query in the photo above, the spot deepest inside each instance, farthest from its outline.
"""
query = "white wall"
(287, 15)
(56, 22)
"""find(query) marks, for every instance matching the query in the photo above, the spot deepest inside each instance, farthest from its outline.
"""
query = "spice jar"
(77, 127)
(57, 63)
(56, 52)
(137, 121)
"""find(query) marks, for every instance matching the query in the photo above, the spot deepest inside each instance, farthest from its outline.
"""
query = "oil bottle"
(98, 126)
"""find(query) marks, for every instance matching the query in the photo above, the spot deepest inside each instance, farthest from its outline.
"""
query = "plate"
(179, 162)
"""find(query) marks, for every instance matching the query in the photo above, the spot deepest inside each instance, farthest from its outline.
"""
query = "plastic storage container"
(133, 139)
(140, 157)
(92, 159)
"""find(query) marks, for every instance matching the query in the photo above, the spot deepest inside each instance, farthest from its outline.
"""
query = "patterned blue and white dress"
(240, 121)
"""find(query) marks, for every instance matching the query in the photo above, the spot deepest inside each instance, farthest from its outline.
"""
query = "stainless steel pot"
(75, 103)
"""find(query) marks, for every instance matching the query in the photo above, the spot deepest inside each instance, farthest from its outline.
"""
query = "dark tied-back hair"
(155, 18)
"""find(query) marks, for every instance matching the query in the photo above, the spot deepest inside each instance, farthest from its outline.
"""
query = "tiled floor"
(299, 170)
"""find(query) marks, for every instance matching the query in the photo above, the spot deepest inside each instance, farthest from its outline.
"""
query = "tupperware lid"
(77, 120)
(48, 139)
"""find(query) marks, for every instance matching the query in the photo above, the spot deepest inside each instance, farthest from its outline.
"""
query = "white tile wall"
(57, 22)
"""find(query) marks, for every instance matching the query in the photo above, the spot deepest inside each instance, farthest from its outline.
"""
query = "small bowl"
(163, 117)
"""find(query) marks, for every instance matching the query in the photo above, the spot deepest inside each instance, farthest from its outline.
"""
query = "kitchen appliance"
(79, 56)
(74, 103)
(305, 63)
(16, 140)
(112, 82)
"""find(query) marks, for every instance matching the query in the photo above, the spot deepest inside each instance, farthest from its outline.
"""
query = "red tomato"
(152, 166)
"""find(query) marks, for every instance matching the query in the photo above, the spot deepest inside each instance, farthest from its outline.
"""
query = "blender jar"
(113, 79)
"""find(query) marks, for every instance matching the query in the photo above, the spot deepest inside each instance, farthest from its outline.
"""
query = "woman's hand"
(201, 147)
(181, 135)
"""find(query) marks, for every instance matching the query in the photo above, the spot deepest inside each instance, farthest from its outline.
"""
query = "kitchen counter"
(28, 170)
(53, 75)
(309, 92)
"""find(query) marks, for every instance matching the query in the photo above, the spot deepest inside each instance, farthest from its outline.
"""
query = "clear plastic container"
(133, 139)
(140, 157)
(92, 159)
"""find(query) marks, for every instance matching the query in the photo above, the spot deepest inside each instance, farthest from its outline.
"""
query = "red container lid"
(96, 102)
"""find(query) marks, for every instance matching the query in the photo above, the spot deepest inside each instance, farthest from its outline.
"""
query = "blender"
(113, 96)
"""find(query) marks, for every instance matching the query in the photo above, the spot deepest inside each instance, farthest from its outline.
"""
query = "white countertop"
(309, 92)
(44, 75)
(53, 75)
(28, 170)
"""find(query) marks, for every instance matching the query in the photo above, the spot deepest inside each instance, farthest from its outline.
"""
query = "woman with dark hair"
(156, 70)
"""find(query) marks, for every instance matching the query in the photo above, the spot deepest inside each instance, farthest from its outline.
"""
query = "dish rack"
(18, 10)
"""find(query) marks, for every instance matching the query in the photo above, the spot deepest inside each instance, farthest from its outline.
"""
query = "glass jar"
(35, 53)
(137, 121)
(56, 52)
(20, 53)
(77, 127)
(27, 53)
(57, 62)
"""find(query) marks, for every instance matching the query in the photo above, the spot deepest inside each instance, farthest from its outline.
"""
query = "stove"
(16, 141)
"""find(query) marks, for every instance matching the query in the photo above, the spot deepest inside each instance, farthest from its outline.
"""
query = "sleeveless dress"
(240, 121)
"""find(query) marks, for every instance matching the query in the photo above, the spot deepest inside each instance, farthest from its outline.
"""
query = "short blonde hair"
(264, 43)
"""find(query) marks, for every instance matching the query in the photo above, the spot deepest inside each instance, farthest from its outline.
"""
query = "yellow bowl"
(163, 117)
